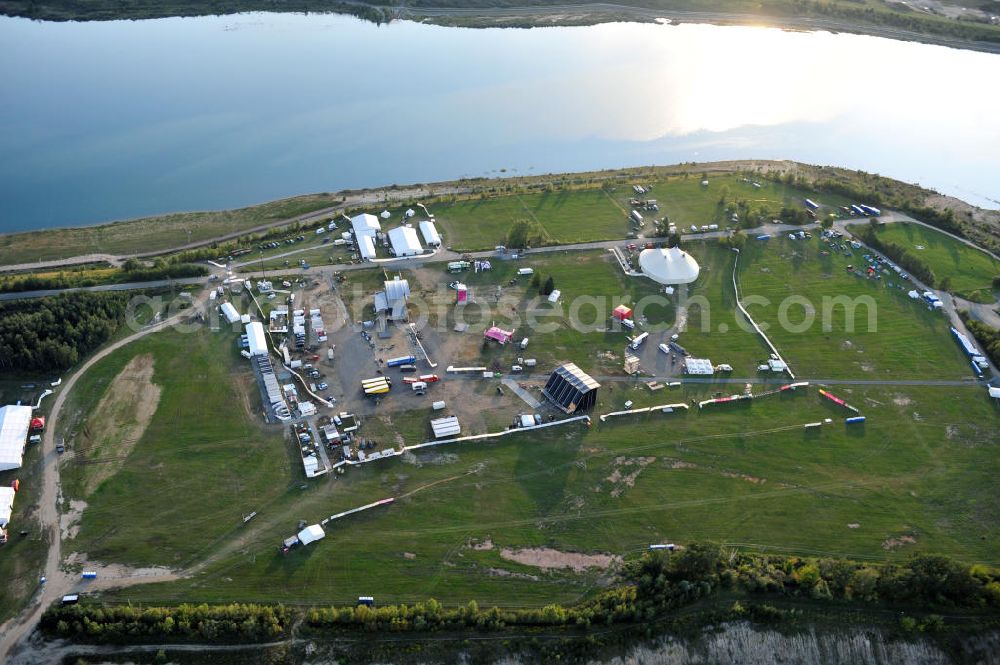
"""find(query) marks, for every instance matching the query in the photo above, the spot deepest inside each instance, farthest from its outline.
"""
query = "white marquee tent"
(6, 505)
(256, 342)
(431, 236)
(405, 242)
(365, 224)
(669, 266)
(14, 422)
(311, 534)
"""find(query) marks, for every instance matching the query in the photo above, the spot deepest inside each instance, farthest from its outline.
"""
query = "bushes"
(902, 256)
(54, 333)
(195, 623)
(132, 271)
(651, 588)
(987, 336)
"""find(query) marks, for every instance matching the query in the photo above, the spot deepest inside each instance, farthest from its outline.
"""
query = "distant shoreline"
(825, 15)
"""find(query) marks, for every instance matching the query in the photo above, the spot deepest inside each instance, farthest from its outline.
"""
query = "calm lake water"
(104, 121)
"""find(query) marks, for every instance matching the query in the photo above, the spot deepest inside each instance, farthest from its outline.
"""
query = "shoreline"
(833, 17)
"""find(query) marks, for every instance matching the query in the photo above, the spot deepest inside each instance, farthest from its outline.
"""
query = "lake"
(102, 121)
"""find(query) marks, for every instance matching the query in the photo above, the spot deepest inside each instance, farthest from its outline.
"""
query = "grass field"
(582, 215)
(918, 476)
(204, 453)
(150, 234)
(971, 271)
(567, 216)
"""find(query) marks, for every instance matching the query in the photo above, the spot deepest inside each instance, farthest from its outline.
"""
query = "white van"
(638, 340)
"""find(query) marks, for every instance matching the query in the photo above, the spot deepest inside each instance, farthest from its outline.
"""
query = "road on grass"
(60, 582)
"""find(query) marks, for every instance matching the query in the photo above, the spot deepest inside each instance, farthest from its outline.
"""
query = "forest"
(52, 334)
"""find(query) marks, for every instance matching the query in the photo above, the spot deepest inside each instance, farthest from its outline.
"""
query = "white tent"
(311, 534)
(6, 504)
(405, 242)
(396, 289)
(366, 247)
(14, 422)
(386, 214)
(669, 266)
(410, 212)
(228, 311)
(365, 225)
(994, 392)
(256, 342)
(445, 427)
(431, 236)
(699, 366)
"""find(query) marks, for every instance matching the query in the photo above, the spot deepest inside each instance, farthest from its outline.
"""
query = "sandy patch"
(626, 470)
(550, 559)
(481, 546)
(69, 521)
(901, 400)
(503, 572)
(118, 422)
(867, 367)
(853, 525)
(895, 543)
(681, 464)
(409, 555)
(742, 476)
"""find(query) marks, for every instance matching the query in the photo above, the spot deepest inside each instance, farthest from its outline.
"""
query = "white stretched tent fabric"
(6, 504)
(14, 422)
(405, 242)
(228, 311)
(445, 427)
(431, 236)
(366, 247)
(256, 342)
(311, 534)
(365, 224)
(669, 266)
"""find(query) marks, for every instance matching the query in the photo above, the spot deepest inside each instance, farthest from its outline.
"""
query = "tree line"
(987, 336)
(660, 582)
(117, 624)
(648, 589)
(131, 271)
(54, 333)
(902, 256)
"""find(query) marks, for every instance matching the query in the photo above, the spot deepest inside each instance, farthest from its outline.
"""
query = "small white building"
(307, 409)
(256, 341)
(430, 233)
(405, 242)
(228, 311)
(366, 247)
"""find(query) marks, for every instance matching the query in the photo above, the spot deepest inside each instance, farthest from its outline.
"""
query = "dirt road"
(59, 582)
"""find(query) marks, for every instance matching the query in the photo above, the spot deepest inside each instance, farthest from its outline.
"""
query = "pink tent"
(499, 335)
(621, 313)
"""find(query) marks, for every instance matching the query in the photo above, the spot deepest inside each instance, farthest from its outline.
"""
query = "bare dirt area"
(118, 422)
(625, 472)
(550, 559)
(894, 543)
(69, 520)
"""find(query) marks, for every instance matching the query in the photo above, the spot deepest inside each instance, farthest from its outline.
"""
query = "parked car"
(322, 386)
